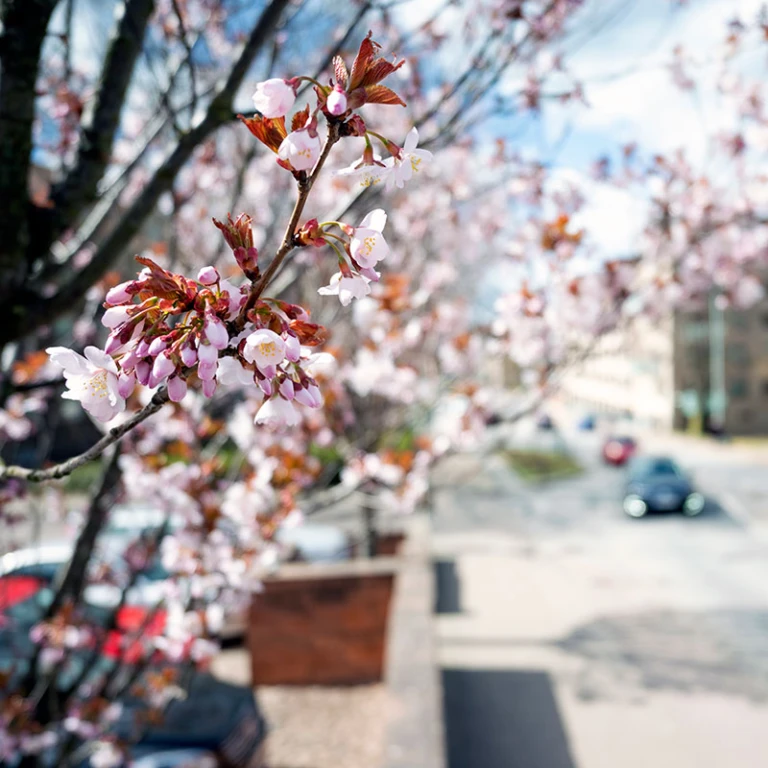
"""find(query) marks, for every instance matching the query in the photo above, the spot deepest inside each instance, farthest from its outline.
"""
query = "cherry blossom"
(367, 244)
(300, 149)
(346, 288)
(92, 380)
(407, 162)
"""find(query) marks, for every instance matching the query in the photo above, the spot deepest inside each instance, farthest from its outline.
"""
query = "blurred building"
(660, 372)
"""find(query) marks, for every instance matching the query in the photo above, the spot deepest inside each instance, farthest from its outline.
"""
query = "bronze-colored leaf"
(362, 61)
(269, 131)
(380, 94)
(379, 69)
(300, 119)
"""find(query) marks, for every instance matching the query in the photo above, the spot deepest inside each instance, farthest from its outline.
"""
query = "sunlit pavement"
(573, 637)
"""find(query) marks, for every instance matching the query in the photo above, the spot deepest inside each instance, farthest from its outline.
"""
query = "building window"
(738, 388)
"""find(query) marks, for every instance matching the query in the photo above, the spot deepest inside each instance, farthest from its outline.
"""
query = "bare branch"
(80, 186)
(97, 449)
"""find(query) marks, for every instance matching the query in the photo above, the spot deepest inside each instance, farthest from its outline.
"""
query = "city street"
(573, 637)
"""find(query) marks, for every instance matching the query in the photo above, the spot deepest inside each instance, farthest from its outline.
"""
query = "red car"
(618, 450)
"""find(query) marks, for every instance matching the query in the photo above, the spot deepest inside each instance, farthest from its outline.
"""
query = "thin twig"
(70, 465)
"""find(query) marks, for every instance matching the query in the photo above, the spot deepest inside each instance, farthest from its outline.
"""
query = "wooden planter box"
(322, 624)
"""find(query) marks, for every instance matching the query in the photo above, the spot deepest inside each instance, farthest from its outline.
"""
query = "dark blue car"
(657, 484)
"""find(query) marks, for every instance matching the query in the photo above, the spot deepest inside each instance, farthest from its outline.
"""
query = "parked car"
(587, 423)
(619, 450)
(657, 484)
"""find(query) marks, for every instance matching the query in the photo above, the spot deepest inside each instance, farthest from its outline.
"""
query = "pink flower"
(277, 413)
(300, 149)
(264, 348)
(91, 379)
(409, 161)
(346, 288)
(125, 384)
(292, 348)
(209, 386)
(336, 103)
(286, 389)
(367, 244)
(310, 396)
(274, 97)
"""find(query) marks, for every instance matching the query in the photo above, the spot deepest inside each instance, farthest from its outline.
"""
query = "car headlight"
(634, 505)
(694, 503)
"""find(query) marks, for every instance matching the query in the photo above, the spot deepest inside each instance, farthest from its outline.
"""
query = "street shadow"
(447, 587)
(720, 651)
(503, 719)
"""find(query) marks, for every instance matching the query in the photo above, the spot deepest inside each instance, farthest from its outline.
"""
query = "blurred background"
(547, 424)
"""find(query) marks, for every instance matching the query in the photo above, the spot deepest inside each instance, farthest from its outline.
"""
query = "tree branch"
(159, 399)
(18, 318)
(80, 187)
(24, 23)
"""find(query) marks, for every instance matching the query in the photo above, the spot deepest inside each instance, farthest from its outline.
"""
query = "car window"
(654, 467)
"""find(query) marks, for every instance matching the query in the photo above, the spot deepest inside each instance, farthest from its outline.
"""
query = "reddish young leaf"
(269, 131)
(300, 119)
(379, 69)
(362, 61)
(380, 94)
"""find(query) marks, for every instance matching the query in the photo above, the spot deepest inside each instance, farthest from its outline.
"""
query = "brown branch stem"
(288, 244)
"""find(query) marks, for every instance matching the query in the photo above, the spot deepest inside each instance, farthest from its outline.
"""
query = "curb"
(415, 732)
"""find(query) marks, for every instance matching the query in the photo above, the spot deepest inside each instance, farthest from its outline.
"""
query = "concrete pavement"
(571, 636)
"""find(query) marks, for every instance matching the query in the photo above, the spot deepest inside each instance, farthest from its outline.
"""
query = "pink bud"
(266, 386)
(125, 384)
(286, 389)
(292, 348)
(208, 276)
(269, 371)
(177, 388)
(143, 371)
(207, 371)
(370, 273)
(115, 316)
(216, 332)
(129, 360)
(209, 387)
(163, 367)
(157, 346)
(119, 294)
(207, 354)
(309, 396)
(336, 103)
(142, 348)
(114, 342)
(188, 355)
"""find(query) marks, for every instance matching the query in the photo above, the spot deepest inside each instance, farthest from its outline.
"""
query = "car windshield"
(655, 467)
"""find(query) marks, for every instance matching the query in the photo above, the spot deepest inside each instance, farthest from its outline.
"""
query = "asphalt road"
(573, 637)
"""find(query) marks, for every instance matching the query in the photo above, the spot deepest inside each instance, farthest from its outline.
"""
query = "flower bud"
(188, 355)
(143, 372)
(119, 294)
(163, 367)
(274, 97)
(209, 387)
(157, 346)
(208, 276)
(286, 389)
(207, 354)
(115, 316)
(292, 348)
(206, 371)
(336, 103)
(125, 384)
(216, 332)
(266, 386)
(177, 388)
